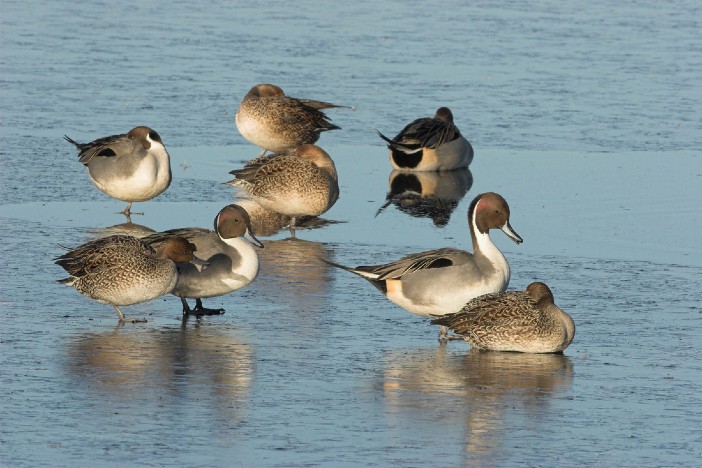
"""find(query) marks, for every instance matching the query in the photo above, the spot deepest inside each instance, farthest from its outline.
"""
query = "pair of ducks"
(441, 283)
(124, 270)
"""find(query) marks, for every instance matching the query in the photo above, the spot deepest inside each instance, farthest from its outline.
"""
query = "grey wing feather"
(420, 261)
(157, 238)
(429, 133)
(110, 146)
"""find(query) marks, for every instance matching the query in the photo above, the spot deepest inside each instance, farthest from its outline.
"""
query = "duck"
(525, 322)
(275, 122)
(131, 167)
(231, 261)
(439, 282)
(301, 182)
(122, 270)
(430, 144)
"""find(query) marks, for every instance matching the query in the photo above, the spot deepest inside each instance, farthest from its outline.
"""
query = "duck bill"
(248, 235)
(199, 261)
(507, 229)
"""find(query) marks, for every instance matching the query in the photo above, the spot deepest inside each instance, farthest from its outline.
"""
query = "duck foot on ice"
(123, 318)
(199, 310)
(444, 335)
(128, 212)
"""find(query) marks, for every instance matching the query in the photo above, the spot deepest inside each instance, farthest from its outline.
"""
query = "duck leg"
(128, 211)
(291, 226)
(186, 307)
(123, 319)
(199, 310)
(445, 336)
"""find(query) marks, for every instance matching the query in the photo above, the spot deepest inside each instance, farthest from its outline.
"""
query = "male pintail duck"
(526, 322)
(123, 270)
(442, 281)
(133, 167)
(302, 182)
(430, 144)
(232, 263)
(276, 122)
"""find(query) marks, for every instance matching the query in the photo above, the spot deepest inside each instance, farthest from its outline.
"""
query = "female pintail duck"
(297, 183)
(526, 322)
(442, 281)
(123, 270)
(276, 122)
(133, 167)
(430, 144)
(232, 263)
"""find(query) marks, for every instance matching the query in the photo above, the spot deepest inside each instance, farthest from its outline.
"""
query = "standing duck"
(297, 183)
(123, 270)
(430, 144)
(232, 263)
(132, 167)
(442, 281)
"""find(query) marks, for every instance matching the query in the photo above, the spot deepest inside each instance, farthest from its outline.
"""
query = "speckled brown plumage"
(298, 183)
(122, 270)
(275, 122)
(526, 321)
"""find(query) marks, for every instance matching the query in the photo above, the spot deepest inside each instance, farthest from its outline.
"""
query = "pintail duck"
(133, 167)
(526, 322)
(268, 118)
(122, 270)
(302, 182)
(442, 281)
(232, 263)
(430, 144)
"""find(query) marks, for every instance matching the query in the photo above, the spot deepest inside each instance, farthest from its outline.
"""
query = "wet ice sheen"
(585, 117)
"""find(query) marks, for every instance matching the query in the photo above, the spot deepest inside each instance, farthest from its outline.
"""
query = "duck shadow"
(433, 195)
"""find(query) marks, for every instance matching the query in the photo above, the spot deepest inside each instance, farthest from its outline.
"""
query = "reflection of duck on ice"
(152, 366)
(428, 194)
(479, 389)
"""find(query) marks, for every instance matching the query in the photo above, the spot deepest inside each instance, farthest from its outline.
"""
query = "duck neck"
(240, 245)
(164, 164)
(245, 259)
(483, 246)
